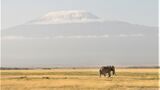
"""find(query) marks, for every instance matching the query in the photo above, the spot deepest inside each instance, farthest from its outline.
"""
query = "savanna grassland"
(79, 79)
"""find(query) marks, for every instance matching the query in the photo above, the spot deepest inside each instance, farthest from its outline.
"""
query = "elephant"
(107, 69)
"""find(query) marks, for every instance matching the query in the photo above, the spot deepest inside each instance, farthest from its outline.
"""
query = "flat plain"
(79, 79)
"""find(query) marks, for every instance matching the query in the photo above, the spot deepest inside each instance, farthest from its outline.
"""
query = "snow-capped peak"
(71, 16)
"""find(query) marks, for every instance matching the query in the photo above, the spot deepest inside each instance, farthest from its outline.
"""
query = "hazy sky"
(144, 12)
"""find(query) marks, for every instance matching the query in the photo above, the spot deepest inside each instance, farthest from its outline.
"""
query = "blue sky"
(144, 12)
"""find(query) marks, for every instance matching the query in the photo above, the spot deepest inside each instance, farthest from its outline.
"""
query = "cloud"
(55, 37)
(80, 36)
(22, 38)
(13, 37)
(137, 35)
(131, 35)
(123, 35)
(105, 36)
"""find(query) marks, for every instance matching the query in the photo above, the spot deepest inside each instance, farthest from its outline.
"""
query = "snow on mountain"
(70, 16)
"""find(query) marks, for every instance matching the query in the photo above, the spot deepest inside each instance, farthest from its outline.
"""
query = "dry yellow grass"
(79, 79)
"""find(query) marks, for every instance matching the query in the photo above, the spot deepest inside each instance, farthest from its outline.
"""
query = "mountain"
(78, 38)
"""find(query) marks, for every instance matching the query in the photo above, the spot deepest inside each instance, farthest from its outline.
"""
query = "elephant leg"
(100, 74)
(109, 74)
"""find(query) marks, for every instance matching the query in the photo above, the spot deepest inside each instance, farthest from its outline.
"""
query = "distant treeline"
(17, 68)
(10, 68)
(144, 67)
